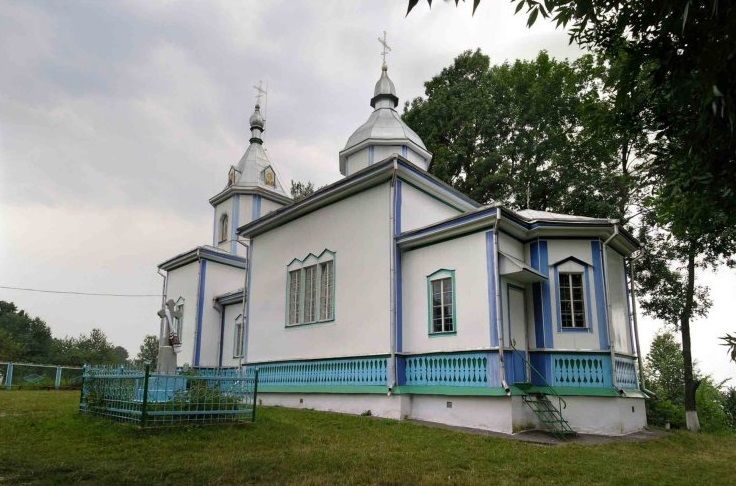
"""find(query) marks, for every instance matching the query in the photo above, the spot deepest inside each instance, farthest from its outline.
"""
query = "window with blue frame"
(572, 300)
(441, 296)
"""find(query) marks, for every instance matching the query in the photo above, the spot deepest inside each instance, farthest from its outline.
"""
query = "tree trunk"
(691, 413)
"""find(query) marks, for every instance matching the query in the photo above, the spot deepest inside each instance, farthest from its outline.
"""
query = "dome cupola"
(384, 133)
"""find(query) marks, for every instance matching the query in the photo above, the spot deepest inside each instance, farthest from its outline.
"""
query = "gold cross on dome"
(386, 48)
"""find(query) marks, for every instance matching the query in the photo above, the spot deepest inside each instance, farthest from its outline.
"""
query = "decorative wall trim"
(449, 369)
(541, 295)
(200, 309)
(600, 295)
(370, 371)
(491, 286)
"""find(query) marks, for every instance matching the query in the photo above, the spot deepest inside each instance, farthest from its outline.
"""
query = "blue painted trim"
(370, 155)
(200, 309)
(600, 297)
(255, 209)
(246, 318)
(397, 270)
(541, 295)
(628, 310)
(491, 277)
(404, 151)
(234, 223)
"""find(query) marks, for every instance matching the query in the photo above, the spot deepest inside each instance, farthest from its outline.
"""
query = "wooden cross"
(261, 92)
(386, 49)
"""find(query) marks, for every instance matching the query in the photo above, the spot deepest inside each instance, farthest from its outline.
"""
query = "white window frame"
(448, 322)
(570, 296)
(224, 232)
(238, 337)
(310, 292)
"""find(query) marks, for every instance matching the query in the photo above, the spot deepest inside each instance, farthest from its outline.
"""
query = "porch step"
(549, 415)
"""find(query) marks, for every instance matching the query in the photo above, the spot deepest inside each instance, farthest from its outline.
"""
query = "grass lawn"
(44, 440)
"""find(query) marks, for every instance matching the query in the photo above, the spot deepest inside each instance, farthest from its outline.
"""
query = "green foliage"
(23, 338)
(664, 369)
(148, 352)
(301, 190)
(711, 406)
(535, 134)
(730, 341)
(729, 405)
(94, 348)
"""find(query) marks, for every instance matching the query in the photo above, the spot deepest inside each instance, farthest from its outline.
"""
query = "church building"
(390, 292)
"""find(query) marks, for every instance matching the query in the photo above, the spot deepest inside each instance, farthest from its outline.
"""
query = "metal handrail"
(561, 401)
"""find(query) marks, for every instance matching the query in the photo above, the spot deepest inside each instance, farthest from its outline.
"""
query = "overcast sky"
(118, 121)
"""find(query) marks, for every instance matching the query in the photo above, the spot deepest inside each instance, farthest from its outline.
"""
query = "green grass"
(43, 440)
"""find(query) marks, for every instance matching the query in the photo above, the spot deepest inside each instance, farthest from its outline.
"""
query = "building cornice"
(265, 193)
(202, 253)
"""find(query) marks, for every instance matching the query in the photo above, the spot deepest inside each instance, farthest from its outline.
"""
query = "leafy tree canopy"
(148, 352)
(301, 190)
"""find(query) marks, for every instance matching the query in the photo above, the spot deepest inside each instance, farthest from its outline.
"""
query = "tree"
(664, 368)
(534, 134)
(23, 337)
(301, 190)
(148, 352)
(93, 349)
(121, 354)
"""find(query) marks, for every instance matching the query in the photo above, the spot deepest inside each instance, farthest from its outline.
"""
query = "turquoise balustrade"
(625, 370)
(351, 371)
(449, 369)
(581, 370)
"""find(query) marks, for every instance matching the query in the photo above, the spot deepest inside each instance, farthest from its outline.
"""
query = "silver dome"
(384, 124)
(256, 119)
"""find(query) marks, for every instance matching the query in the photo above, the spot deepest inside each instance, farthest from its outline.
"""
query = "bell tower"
(253, 188)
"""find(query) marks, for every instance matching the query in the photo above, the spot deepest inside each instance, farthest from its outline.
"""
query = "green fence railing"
(157, 399)
(32, 376)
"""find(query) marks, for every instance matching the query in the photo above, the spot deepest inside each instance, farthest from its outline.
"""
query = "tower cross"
(261, 92)
(385, 49)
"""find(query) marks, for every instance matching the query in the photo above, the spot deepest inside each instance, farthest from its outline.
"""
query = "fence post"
(9, 377)
(81, 393)
(57, 381)
(145, 395)
(255, 396)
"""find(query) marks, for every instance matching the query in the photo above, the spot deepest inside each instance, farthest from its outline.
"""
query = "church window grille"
(224, 226)
(294, 297)
(327, 279)
(238, 338)
(310, 293)
(311, 289)
(572, 301)
(441, 290)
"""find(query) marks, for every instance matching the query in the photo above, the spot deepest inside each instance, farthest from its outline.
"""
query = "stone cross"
(386, 48)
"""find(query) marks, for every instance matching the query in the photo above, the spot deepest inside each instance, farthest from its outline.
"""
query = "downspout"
(196, 310)
(632, 272)
(611, 336)
(499, 323)
(243, 355)
(392, 378)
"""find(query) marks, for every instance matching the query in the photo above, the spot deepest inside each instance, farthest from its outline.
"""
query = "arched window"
(223, 228)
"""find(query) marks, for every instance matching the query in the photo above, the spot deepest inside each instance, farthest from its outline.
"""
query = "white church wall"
(357, 230)
(510, 245)
(605, 415)
(219, 279)
(467, 257)
(357, 161)
(182, 282)
(618, 302)
(420, 209)
(486, 413)
(559, 250)
(232, 312)
(268, 206)
(393, 407)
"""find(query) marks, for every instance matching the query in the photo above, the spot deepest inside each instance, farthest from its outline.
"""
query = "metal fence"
(158, 400)
(20, 376)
